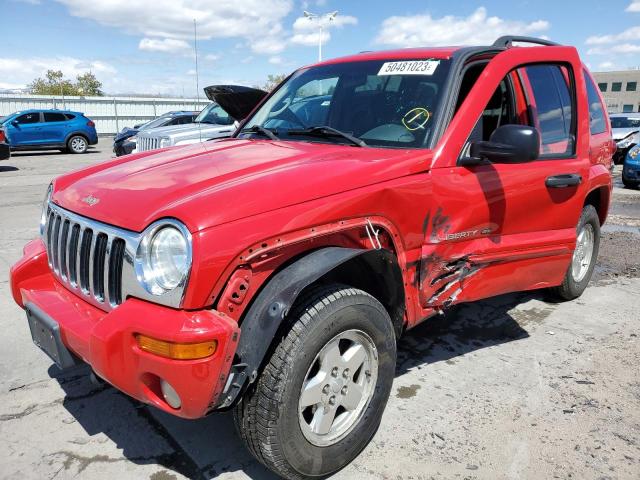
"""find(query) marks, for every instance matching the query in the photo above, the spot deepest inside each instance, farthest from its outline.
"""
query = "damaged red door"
(499, 228)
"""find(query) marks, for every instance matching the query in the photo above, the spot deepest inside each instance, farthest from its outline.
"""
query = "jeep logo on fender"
(91, 200)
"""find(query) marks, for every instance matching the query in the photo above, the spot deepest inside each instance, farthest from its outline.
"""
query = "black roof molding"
(507, 41)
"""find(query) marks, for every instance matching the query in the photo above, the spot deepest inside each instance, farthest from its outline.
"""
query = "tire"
(270, 420)
(77, 144)
(574, 283)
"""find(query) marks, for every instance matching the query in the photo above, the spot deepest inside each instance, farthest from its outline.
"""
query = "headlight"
(45, 209)
(163, 260)
(165, 142)
(629, 140)
(133, 139)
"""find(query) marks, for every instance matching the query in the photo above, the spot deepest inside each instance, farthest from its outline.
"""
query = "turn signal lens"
(176, 351)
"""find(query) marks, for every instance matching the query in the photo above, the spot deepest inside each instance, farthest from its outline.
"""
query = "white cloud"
(634, 6)
(307, 31)
(606, 66)
(476, 29)
(259, 22)
(630, 34)
(165, 45)
(622, 48)
(276, 60)
(19, 72)
(212, 57)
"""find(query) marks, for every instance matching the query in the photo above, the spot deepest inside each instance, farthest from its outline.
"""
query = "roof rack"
(507, 41)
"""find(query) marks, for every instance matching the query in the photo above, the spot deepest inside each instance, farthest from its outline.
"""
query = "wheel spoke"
(354, 357)
(351, 400)
(330, 356)
(322, 420)
(312, 390)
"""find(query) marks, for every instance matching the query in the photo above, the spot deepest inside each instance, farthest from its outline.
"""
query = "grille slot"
(84, 258)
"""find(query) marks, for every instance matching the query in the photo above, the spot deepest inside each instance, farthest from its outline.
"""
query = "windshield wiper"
(260, 129)
(326, 131)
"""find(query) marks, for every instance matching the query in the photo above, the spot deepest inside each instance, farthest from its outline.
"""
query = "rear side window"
(69, 116)
(553, 108)
(27, 118)
(54, 117)
(596, 110)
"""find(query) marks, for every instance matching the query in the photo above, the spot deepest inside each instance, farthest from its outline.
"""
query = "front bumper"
(106, 340)
(631, 172)
(5, 151)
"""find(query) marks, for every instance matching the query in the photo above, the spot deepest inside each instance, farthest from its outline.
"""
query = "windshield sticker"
(413, 67)
(416, 118)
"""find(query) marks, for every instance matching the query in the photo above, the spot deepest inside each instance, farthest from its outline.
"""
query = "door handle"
(563, 181)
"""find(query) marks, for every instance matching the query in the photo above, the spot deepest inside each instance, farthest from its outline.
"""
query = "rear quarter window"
(597, 120)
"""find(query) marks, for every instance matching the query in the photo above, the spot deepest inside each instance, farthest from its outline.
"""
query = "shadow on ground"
(8, 168)
(39, 153)
(205, 448)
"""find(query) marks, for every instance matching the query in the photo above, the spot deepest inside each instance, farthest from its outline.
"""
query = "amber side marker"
(176, 351)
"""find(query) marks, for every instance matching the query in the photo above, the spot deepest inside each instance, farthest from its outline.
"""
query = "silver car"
(626, 133)
(230, 104)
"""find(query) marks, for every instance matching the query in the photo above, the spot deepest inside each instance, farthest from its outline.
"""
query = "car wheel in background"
(320, 398)
(77, 144)
(584, 256)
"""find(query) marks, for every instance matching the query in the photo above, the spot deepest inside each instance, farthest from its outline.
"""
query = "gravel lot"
(513, 387)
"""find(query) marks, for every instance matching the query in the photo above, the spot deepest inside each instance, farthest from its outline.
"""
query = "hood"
(125, 133)
(210, 183)
(236, 100)
(619, 133)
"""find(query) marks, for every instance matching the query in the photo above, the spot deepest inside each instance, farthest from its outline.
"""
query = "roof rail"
(507, 41)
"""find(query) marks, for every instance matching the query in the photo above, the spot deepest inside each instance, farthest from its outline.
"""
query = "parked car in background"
(50, 129)
(631, 168)
(626, 133)
(125, 141)
(5, 151)
(216, 120)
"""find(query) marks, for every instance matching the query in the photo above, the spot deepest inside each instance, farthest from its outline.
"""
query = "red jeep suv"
(273, 272)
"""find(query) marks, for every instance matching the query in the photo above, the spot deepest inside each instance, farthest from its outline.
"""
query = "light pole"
(323, 19)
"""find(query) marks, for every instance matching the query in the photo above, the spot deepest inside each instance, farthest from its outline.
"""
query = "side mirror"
(14, 123)
(507, 144)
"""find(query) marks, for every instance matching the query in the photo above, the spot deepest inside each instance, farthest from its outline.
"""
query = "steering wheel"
(285, 104)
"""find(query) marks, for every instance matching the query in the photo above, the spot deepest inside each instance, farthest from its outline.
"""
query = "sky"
(147, 46)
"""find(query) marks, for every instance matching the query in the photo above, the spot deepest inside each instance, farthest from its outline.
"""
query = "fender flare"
(270, 308)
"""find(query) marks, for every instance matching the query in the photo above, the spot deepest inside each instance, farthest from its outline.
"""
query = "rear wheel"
(320, 398)
(584, 256)
(77, 144)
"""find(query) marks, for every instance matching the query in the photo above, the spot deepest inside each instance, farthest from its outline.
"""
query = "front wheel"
(319, 400)
(584, 256)
(77, 144)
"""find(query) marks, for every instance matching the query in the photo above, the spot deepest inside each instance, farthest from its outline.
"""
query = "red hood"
(216, 182)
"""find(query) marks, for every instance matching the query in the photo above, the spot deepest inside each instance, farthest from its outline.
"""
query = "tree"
(87, 84)
(273, 81)
(54, 83)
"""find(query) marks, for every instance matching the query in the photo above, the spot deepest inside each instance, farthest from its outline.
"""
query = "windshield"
(625, 122)
(383, 103)
(214, 113)
(156, 122)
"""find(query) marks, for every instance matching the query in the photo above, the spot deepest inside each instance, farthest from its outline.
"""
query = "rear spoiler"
(236, 100)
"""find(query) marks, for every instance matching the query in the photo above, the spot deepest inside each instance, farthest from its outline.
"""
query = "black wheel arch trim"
(272, 304)
(76, 134)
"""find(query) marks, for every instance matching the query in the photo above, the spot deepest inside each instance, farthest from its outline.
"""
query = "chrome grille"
(147, 143)
(86, 256)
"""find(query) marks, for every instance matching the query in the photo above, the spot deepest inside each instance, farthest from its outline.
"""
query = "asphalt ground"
(514, 387)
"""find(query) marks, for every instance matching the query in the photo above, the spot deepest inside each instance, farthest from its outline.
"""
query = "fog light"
(177, 351)
(170, 395)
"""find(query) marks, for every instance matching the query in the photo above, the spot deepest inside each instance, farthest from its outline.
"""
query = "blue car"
(49, 129)
(631, 168)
